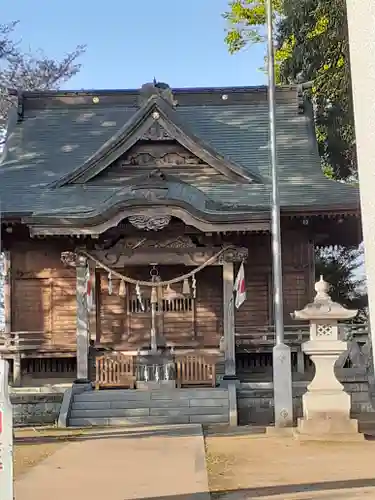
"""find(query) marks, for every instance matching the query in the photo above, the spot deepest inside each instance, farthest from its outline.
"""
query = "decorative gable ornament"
(156, 133)
(156, 89)
(149, 222)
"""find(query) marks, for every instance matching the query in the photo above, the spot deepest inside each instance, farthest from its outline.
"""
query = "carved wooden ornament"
(149, 223)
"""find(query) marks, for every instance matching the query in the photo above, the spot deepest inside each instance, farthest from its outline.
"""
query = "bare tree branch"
(28, 71)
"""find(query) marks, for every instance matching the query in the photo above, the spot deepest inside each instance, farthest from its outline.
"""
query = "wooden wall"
(298, 279)
(44, 296)
(120, 320)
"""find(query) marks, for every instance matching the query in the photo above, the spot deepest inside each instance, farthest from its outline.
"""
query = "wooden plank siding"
(44, 296)
(184, 322)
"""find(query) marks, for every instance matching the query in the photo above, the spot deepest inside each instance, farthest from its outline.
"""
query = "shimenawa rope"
(127, 279)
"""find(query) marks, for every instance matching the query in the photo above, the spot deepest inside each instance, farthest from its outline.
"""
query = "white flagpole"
(282, 372)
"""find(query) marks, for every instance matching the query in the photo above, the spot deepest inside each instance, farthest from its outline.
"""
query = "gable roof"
(59, 138)
(154, 110)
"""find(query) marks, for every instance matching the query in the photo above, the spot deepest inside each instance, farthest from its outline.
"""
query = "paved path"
(161, 462)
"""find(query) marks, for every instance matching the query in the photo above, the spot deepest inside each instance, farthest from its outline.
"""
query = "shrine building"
(126, 217)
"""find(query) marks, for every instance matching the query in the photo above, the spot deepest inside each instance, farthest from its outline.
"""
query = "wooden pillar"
(83, 335)
(229, 338)
(93, 316)
(17, 373)
(7, 293)
(17, 377)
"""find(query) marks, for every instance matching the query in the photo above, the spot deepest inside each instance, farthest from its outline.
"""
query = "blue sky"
(129, 42)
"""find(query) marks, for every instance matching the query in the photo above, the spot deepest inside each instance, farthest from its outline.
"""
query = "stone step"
(117, 421)
(147, 420)
(135, 407)
(209, 404)
(157, 412)
(137, 395)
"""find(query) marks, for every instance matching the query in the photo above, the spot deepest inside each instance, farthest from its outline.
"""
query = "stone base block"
(319, 403)
(153, 385)
(225, 383)
(280, 432)
(328, 429)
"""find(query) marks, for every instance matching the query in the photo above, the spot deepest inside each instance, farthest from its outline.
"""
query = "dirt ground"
(31, 446)
(28, 455)
(244, 467)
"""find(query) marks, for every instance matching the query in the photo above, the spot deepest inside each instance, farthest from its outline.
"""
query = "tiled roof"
(58, 132)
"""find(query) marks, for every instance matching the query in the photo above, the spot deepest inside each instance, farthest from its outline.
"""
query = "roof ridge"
(178, 90)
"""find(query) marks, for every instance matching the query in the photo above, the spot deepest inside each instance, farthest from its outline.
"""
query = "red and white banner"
(240, 287)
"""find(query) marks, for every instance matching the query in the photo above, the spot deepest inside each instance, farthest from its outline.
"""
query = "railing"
(260, 338)
(119, 370)
(254, 350)
(30, 341)
(115, 370)
(256, 337)
(195, 370)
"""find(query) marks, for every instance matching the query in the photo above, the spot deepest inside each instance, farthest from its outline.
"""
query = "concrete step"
(118, 405)
(138, 395)
(134, 407)
(150, 420)
(157, 412)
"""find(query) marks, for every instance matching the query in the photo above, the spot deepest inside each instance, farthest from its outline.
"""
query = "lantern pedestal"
(326, 406)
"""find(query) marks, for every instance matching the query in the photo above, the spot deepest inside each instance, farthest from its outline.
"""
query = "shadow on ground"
(136, 432)
(337, 488)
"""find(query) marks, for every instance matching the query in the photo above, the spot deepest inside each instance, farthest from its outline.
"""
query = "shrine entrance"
(183, 314)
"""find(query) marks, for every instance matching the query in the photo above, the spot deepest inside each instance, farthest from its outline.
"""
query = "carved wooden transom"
(166, 156)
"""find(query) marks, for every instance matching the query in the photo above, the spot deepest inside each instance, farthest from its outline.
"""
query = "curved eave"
(95, 223)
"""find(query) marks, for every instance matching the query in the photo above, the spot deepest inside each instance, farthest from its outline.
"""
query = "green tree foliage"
(341, 267)
(311, 42)
(311, 45)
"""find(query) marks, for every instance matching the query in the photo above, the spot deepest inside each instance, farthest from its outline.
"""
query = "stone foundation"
(255, 400)
(35, 408)
(41, 406)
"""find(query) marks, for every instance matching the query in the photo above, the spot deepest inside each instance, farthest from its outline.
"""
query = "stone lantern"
(326, 406)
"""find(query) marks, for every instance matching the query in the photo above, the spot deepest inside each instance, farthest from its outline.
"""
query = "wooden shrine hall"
(127, 216)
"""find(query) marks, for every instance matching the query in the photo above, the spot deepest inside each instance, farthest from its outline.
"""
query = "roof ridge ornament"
(156, 89)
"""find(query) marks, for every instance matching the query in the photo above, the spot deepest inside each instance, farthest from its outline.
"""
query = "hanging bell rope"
(132, 281)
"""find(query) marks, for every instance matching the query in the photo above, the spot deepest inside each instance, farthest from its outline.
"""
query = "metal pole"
(282, 369)
(275, 203)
